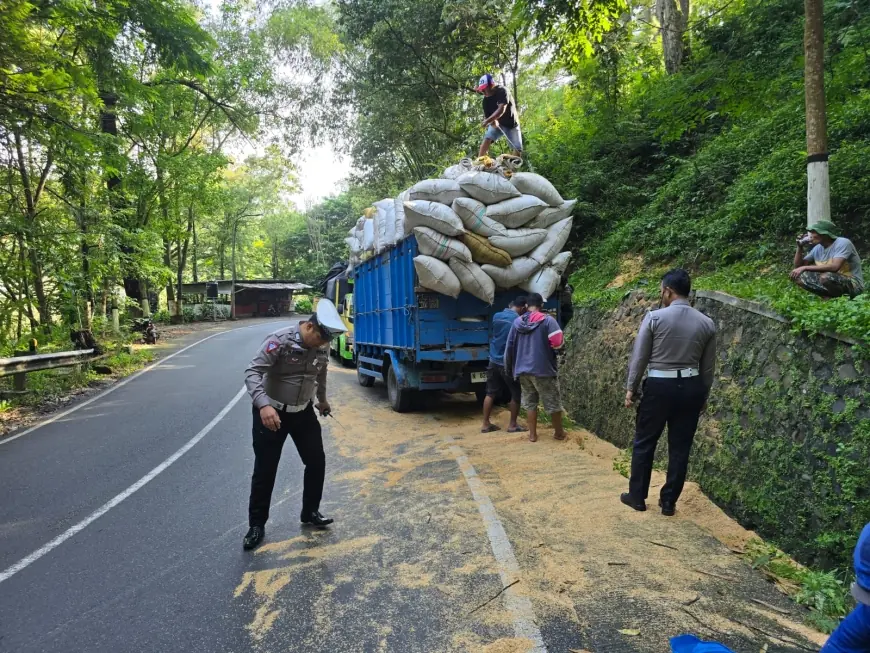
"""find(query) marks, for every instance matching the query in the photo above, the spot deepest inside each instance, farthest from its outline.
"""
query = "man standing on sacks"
(283, 379)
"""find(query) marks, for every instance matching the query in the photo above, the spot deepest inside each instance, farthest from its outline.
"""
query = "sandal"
(490, 429)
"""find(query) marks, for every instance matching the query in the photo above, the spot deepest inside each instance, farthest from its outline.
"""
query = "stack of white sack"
(477, 214)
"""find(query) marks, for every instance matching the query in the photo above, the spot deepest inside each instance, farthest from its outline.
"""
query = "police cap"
(328, 320)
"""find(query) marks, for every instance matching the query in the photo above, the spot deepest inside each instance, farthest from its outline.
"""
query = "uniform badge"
(271, 346)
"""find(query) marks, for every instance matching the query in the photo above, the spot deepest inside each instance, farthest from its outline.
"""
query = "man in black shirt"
(500, 116)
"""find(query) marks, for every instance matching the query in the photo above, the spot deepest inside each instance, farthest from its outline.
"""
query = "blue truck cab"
(416, 340)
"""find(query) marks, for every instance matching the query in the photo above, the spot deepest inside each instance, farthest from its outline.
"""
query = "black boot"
(631, 502)
(669, 508)
(253, 537)
(314, 518)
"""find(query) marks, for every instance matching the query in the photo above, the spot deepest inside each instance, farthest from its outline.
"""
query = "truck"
(339, 290)
(415, 340)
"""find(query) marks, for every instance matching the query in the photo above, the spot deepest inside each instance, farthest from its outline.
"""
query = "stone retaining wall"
(785, 445)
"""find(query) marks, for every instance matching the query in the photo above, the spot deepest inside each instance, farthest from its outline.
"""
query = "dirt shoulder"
(172, 338)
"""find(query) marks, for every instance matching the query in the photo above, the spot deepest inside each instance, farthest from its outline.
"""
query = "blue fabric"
(501, 327)
(862, 559)
(691, 644)
(853, 633)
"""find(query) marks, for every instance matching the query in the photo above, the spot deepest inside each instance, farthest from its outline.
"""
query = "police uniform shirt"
(677, 337)
(285, 371)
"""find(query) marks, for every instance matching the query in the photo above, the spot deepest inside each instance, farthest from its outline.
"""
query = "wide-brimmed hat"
(825, 228)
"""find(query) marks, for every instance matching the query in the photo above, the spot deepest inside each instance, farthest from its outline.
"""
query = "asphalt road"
(94, 558)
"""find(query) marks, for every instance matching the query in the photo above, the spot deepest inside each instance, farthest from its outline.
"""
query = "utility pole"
(818, 182)
(233, 263)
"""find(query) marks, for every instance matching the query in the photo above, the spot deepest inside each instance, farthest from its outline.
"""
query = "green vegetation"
(304, 304)
(825, 594)
(704, 168)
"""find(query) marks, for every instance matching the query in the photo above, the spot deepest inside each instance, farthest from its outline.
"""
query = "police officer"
(283, 379)
(678, 345)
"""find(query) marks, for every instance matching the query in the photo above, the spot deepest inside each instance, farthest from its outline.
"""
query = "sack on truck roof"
(483, 251)
(528, 183)
(432, 243)
(436, 275)
(487, 187)
(436, 190)
(473, 279)
(473, 216)
(519, 241)
(517, 211)
(557, 236)
(544, 282)
(441, 218)
(514, 274)
(550, 216)
(399, 209)
(560, 262)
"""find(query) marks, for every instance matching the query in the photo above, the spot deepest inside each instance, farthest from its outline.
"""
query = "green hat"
(825, 228)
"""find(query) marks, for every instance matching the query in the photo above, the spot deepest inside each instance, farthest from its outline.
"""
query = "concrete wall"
(785, 446)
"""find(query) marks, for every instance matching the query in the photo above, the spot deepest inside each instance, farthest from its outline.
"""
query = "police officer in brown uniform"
(283, 379)
(678, 345)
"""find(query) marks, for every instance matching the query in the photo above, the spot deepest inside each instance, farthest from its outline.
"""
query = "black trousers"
(304, 428)
(677, 404)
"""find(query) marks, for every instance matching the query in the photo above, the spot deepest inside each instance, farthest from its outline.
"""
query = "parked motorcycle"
(150, 334)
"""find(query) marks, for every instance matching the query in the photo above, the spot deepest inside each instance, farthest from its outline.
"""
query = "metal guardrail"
(21, 365)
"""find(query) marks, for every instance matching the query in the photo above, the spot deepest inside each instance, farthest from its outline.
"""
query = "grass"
(825, 593)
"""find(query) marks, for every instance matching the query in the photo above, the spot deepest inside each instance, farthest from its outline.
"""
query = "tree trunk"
(818, 183)
(673, 22)
(274, 260)
(222, 264)
(167, 261)
(133, 287)
(195, 251)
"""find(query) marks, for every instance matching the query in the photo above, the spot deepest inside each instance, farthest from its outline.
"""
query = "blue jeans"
(853, 633)
(513, 135)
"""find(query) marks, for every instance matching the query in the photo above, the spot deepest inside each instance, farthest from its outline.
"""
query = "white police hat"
(328, 319)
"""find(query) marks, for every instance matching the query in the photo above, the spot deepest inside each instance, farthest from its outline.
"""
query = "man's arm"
(708, 362)
(799, 257)
(321, 382)
(640, 355)
(265, 358)
(498, 113)
(554, 334)
(509, 351)
(833, 265)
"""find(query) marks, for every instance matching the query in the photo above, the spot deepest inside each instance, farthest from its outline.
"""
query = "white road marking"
(119, 384)
(520, 607)
(138, 485)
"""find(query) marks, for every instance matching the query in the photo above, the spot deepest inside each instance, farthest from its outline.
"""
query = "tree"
(673, 23)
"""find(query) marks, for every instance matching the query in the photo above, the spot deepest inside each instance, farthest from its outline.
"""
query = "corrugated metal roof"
(273, 286)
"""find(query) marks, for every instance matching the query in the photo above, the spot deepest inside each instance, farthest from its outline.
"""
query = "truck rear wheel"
(401, 399)
(365, 380)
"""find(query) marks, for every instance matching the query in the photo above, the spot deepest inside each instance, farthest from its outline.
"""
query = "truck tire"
(401, 399)
(365, 380)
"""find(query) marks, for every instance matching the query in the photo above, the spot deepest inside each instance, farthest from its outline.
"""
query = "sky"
(321, 174)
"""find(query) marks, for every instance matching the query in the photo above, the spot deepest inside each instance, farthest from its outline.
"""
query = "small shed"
(253, 297)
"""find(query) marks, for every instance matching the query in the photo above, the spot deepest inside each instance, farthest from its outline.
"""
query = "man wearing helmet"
(285, 377)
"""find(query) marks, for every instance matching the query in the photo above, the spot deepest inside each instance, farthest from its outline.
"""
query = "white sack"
(550, 216)
(454, 172)
(436, 275)
(557, 236)
(473, 216)
(528, 183)
(432, 243)
(473, 279)
(354, 245)
(368, 239)
(516, 212)
(399, 204)
(487, 187)
(517, 242)
(436, 190)
(514, 274)
(434, 215)
(543, 282)
(386, 222)
(560, 262)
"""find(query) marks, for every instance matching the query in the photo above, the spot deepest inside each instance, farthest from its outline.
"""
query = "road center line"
(138, 485)
(508, 568)
(115, 386)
